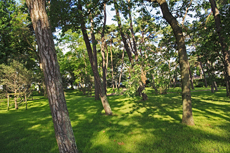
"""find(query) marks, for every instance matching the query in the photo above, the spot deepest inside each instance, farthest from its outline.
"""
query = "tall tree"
(62, 126)
(224, 47)
(103, 97)
(187, 117)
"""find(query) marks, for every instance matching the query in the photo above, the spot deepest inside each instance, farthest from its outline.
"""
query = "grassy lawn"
(136, 126)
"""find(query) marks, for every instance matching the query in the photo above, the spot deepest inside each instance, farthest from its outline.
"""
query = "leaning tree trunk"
(224, 47)
(103, 97)
(62, 126)
(187, 117)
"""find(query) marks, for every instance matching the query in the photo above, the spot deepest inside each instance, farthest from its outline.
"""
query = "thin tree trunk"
(132, 32)
(191, 78)
(62, 126)
(175, 79)
(121, 32)
(212, 85)
(127, 48)
(103, 97)
(112, 63)
(227, 91)
(119, 82)
(224, 47)
(154, 86)
(212, 76)
(15, 99)
(103, 52)
(205, 81)
(187, 117)
(97, 97)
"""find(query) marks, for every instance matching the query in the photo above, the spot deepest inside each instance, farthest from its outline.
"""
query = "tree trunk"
(121, 32)
(119, 81)
(97, 97)
(210, 78)
(103, 52)
(191, 78)
(112, 63)
(62, 126)
(175, 80)
(132, 32)
(187, 117)
(15, 99)
(205, 81)
(224, 47)
(103, 97)
(154, 86)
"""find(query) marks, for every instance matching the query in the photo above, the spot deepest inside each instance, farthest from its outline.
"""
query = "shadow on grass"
(137, 126)
(151, 126)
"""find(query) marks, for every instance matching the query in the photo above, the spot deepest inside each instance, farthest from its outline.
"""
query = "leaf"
(120, 143)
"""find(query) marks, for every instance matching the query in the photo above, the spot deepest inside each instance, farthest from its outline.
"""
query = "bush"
(199, 84)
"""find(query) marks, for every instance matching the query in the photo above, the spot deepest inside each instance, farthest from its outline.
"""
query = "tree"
(187, 117)
(103, 97)
(62, 126)
(224, 47)
(16, 78)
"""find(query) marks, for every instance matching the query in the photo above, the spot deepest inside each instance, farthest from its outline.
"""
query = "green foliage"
(17, 40)
(133, 82)
(16, 77)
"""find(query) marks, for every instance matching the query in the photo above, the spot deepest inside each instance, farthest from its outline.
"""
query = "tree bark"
(191, 78)
(205, 81)
(119, 81)
(224, 47)
(132, 32)
(210, 78)
(97, 97)
(187, 117)
(103, 52)
(112, 63)
(103, 97)
(154, 86)
(62, 126)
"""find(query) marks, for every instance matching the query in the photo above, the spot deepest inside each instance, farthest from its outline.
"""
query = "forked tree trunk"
(224, 47)
(103, 97)
(62, 126)
(187, 117)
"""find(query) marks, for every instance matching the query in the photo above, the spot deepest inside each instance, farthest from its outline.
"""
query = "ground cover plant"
(136, 126)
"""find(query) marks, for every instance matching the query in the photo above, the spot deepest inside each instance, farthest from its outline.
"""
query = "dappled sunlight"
(135, 126)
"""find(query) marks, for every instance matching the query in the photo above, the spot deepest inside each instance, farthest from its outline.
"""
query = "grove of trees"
(160, 44)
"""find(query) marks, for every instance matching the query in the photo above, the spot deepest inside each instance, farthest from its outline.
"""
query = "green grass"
(136, 126)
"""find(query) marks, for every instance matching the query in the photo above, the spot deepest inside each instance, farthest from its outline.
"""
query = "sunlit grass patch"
(136, 126)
